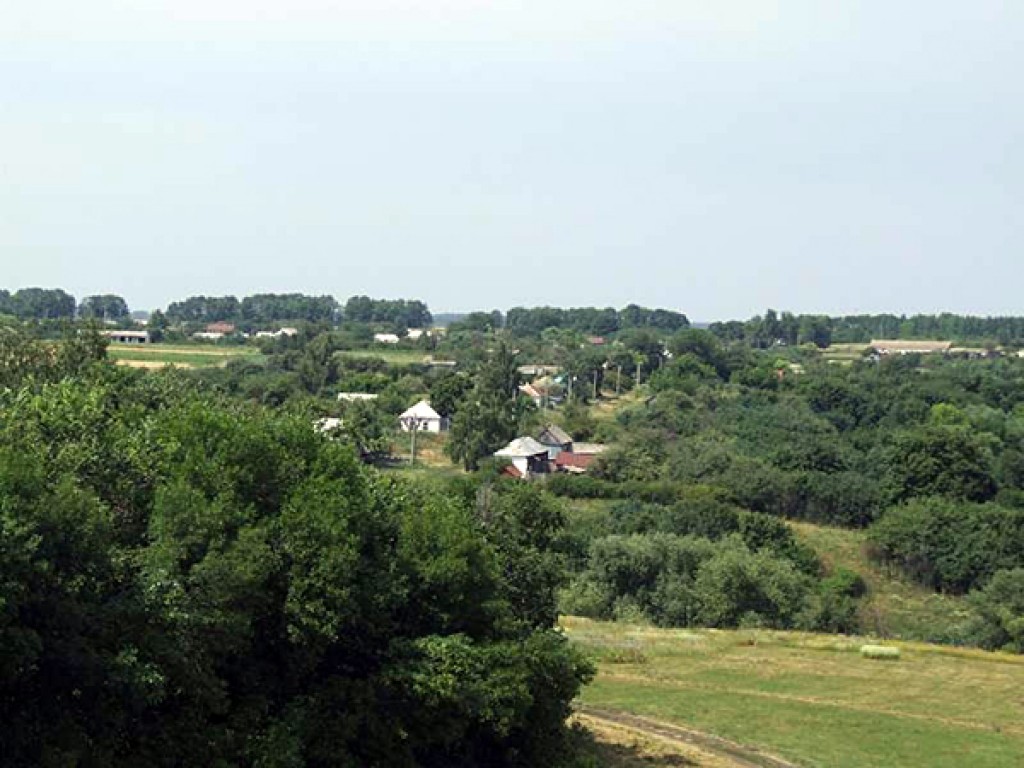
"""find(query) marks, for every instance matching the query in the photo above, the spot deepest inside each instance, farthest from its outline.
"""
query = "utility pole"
(595, 384)
(412, 423)
(618, 381)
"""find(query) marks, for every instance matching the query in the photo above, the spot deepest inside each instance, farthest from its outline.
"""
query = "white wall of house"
(425, 425)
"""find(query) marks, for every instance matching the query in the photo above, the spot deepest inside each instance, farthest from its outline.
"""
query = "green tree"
(490, 413)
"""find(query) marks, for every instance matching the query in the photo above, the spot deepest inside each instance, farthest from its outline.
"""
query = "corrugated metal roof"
(522, 447)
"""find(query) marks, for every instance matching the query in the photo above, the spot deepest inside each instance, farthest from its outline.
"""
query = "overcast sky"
(714, 157)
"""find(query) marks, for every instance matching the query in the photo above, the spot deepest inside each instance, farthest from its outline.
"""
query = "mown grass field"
(181, 355)
(813, 699)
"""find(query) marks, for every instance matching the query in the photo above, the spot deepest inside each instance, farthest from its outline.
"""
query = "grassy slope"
(812, 698)
(895, 606)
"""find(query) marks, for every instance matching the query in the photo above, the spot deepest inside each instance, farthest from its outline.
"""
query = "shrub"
(947, 545)
(1000, 608)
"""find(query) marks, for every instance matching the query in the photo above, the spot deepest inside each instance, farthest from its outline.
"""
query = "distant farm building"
(277, 334)
(208, 335)
(221, 328)
(127, 337)
(910, 347)
(386, 338)
(421, 418)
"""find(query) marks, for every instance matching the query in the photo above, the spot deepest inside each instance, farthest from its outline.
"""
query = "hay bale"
(882, 652)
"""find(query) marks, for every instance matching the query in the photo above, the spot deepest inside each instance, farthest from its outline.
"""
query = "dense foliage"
(188, 580)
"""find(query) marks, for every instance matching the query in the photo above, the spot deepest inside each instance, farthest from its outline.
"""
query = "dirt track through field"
(817, 701)
(739, 755)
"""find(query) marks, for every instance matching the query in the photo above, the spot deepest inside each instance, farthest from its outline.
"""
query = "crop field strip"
(186, 356)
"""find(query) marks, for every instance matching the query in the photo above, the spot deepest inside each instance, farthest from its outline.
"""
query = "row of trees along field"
(191, 579)
(761, 331)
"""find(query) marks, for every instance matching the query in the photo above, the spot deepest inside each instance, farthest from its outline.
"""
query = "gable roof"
(522, 447)
(553, 434)
(421, 410)
(530, 391)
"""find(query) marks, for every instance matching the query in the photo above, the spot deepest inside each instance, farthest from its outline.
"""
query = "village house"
(221, 328)
(527, 458)
(208, 335)
(537, 369)
(534, 394)
(421, 418)
(555, 440)
(386, 338)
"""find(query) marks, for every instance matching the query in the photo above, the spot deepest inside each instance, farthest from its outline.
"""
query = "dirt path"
(818, 701)
(739, 755)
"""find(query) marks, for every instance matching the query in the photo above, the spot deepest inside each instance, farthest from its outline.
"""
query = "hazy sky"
(715, 157)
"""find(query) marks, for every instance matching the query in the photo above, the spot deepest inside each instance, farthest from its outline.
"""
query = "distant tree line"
(263, 307)
(401, 312)
(38, 304)
(772, 328)
(270, 307)
(523, 321)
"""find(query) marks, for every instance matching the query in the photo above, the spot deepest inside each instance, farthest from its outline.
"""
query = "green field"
(182, 355)
(813, 699)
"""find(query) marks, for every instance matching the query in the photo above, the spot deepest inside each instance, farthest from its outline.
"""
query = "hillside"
(894, 606)
(813, 699)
